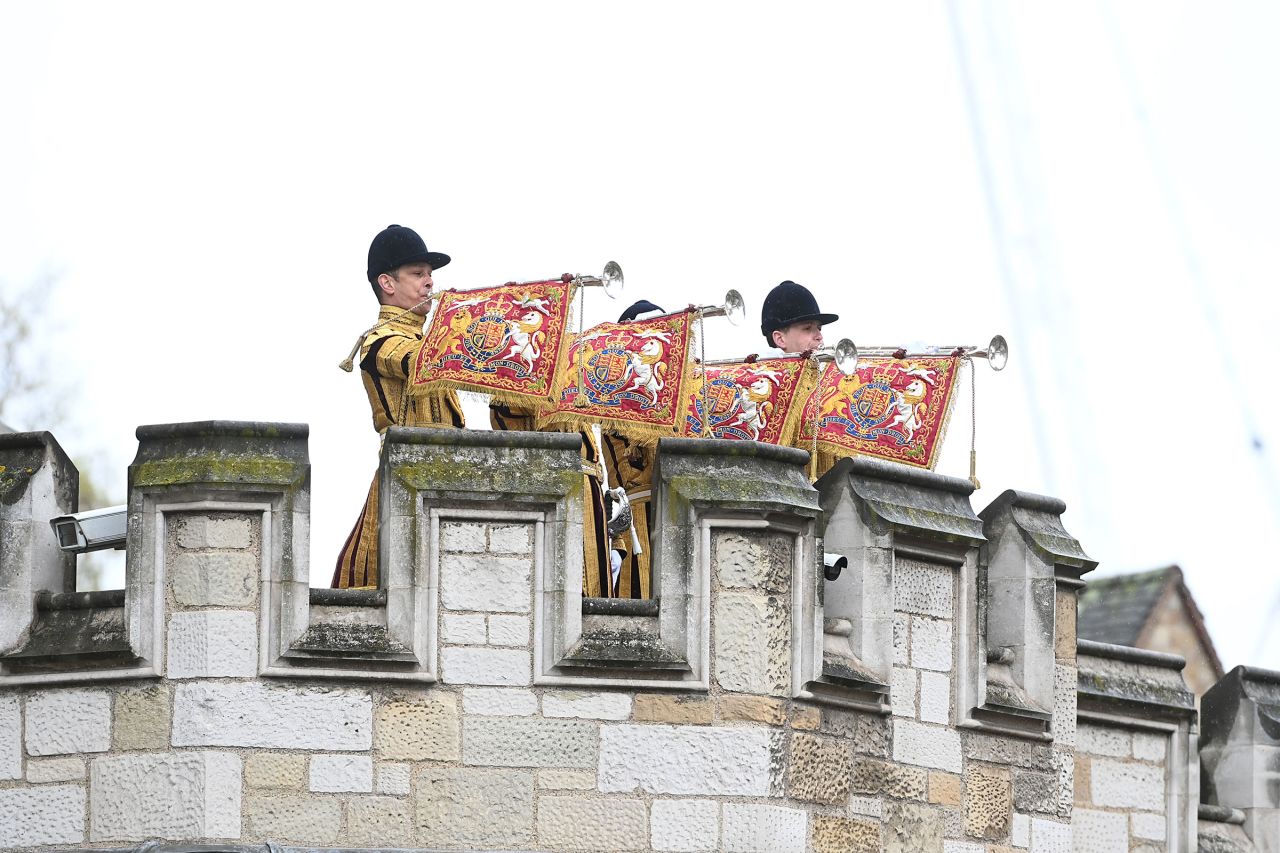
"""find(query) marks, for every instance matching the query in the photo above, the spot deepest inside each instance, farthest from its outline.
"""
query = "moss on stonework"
(442, 473)
(206, 468)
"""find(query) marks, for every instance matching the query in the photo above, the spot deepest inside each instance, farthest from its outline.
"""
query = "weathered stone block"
(873, 776)
(499, 702)
(1050, 837)
(901, 639)
(988, 802)
(498, 667)
(935, 698)
(272, 716)
(379, 822)
(486, 583)
(1149, 746)
(752, 641)
(680, 710)
(752, 561)
(910, 828)
(510, 538)
(1020, 831)
(926, 746)
(1063, 724)
(931, 644)
(429, 729)
(1081, 783)
(60, 722)
(995, 749)
(213, 644)
(750, 828)
(510, 630)
(1064, 647)
(819, 771)
(806, 719)
(680, 760)
(462, 537)
(902, 691)
(1035, 792)
(869, 733)
(945, 789)
(684, 826)
(275, 770)
(49, 814)
(175, 796)
(142, 718)
(1097, 740)
(591, 706)
(567, 780)
(866, 806)
(10, 738)
(1151, 827)
(393, 778)
(464, 629)
(924, 589)
(220, 531)
(300, 818)
(216, 580)
(1119, 784)
(845, 835)
(530, 742)
(753, 709)
(341, 774)
(55, 770)
(577, 823)
(474, 808)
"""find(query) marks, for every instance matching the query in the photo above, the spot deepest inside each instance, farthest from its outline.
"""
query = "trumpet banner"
(635, 375)
(505, 341)
(894, 409)
(747, 401)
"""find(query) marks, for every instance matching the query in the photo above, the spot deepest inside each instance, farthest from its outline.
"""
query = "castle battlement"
(933, 697)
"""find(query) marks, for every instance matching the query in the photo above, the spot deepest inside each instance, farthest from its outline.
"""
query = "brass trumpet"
(843, 353)
(996, 352)
(611, 280)
(734, 309)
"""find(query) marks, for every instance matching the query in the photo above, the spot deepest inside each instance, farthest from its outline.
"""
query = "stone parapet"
(1136, 779)
(1240, 750)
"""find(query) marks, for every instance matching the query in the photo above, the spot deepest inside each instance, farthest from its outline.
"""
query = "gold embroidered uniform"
(385, 361)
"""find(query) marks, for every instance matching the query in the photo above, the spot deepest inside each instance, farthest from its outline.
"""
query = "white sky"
(204, 180)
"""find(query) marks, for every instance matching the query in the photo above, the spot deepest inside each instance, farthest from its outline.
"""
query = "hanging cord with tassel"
(973, 416)
(817, 419)
(706, 412)
(348, 364)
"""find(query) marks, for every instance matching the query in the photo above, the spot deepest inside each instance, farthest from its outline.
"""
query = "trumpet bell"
(998, 352)
(735, 308)
(846, 356)
(612, 280)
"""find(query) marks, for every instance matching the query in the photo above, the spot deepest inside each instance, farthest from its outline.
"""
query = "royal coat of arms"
(504, 341)
(890, 408)
(633, 374)
(745, 401)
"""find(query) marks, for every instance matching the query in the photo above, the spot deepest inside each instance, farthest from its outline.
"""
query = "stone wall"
(475, 703)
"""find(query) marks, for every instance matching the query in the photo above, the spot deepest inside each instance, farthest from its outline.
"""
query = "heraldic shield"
(505, 341)
(754, 401)
(894, 409)
(633, 374)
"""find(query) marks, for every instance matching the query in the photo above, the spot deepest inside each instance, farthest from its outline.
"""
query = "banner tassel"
(973, 434)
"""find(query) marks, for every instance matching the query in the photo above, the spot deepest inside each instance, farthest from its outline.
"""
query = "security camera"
(832, 565)
(93, 530)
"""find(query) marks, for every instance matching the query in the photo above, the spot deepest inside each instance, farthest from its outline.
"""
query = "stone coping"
(882, 469)
(49, 601)
(213, 429)
(1220, 814)
(728, 447)
(620, 606)
(348, 597)
(478, 438)
(21, 440)
(1130, 654)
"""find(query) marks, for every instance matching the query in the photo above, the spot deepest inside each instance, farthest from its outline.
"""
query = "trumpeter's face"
(406, 287)
(799, 337)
